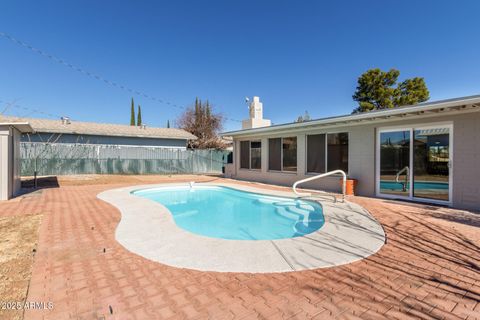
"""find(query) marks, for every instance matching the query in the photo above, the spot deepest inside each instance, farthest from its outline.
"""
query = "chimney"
(256, 115)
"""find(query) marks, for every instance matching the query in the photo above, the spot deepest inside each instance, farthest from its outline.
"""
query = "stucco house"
(429, 152)
(77, 132)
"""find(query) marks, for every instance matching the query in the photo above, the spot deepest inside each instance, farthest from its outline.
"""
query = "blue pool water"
(392, 185)
(226, 213)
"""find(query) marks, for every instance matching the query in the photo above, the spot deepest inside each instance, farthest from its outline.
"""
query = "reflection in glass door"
(431, 159)
(395, 163)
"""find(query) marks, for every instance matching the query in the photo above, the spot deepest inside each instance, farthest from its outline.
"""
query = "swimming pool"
(392, 185)
(226, 213)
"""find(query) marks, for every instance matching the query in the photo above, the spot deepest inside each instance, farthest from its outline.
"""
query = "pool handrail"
(344, 182)
(407, 173)
(405, 169)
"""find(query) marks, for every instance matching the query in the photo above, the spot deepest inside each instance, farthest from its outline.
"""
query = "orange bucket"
(349, 186)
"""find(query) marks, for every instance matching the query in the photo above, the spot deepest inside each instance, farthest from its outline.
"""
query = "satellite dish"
(247, 99)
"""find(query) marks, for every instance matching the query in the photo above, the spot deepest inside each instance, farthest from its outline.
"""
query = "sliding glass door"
(431, 163)
(395, 163)
(414, 163)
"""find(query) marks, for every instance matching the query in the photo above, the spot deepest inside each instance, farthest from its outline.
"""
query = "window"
(250, 155)
(337, 151)
(316, 153)
(327, 152)
(275, 154)
(289, 148)
(245, 154)
(230, 157)
(282, 154)
(255, 155)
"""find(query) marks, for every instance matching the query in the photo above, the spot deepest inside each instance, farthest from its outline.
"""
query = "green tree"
(411, 91)
(168, 123)
(139, 116)
(377, 90)
(132, 114)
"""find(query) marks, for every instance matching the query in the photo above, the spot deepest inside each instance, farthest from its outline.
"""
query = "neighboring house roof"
(421, 109)
(101, 129)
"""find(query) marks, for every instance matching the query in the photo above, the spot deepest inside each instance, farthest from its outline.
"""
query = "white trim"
(450, 160)
(411, 129)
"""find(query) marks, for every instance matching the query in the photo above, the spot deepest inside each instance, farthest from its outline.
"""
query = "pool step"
(303, 216)
(321, 197)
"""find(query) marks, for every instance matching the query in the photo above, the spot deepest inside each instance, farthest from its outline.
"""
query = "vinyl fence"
(69, 159)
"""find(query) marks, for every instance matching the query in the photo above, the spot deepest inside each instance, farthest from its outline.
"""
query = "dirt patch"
(18, 240)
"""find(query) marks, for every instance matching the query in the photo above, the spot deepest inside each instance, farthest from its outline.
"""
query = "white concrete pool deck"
(148, 229)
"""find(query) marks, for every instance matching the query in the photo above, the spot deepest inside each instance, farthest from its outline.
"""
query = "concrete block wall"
(362, 157)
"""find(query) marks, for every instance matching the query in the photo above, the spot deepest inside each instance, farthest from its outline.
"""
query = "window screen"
(274, 154)
(255, 155)
(289, 146)
(316, 153)
(337, 151)
(245, 154)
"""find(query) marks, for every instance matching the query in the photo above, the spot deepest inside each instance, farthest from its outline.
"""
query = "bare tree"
(201, 121)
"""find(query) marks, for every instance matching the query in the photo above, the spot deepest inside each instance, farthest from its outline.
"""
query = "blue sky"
(295, 55)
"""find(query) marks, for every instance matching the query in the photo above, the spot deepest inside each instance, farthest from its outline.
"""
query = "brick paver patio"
(429, 269)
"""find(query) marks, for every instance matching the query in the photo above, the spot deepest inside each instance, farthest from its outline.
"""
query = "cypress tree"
(132, 114)
(168, 123)
(198, 107)
(208, 111)
(139, 116)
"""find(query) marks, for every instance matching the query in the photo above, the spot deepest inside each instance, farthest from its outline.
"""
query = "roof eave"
(424, 107)
(23, 127)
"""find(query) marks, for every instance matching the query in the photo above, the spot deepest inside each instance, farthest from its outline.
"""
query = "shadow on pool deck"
(428, 269)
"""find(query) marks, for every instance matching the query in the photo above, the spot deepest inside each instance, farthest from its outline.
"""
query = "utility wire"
(94, 75)
(7, 106)
(29, 110)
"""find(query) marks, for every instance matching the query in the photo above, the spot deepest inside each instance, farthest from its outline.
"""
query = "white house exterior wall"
(362, 149)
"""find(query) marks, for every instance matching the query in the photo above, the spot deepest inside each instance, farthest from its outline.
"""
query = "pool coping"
(350, 233)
